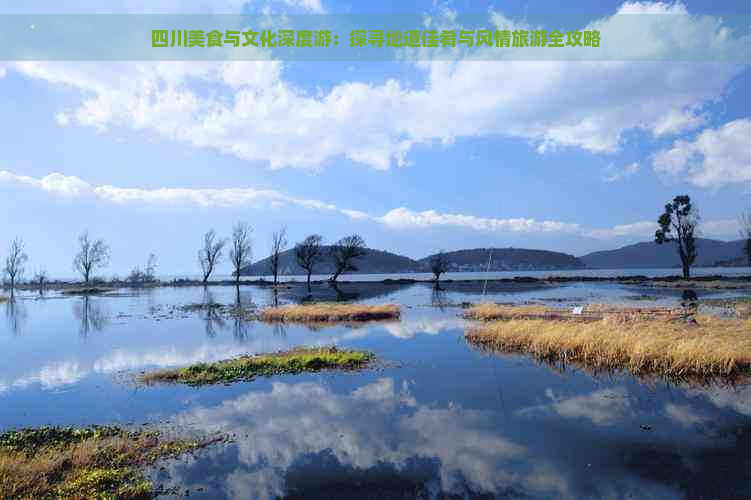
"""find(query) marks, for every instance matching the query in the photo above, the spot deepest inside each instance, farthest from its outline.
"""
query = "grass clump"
(326, 312)
(266, 365)
(82, 463)
(677, 349)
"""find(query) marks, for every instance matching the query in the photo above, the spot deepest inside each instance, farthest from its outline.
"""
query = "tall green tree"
(678, 224)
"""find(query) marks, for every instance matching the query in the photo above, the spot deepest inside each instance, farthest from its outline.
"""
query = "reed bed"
(82, 463)
(327, 312)
(708, 347)
(591, 312)
(249, 367)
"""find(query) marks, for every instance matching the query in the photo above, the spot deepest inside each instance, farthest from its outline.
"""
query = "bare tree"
(147, 275)
(241, 252)
(678, 224)
(278, 245)
(344, 253)
(14, 262)
(439, 264)
(40, 278)
(746, 231)
(210, 255)
(91, 255)
(308, 252)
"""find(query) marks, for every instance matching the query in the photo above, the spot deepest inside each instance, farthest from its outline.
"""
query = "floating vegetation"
(327, 312)
(266, 365)
(706, 346)
(82, 463)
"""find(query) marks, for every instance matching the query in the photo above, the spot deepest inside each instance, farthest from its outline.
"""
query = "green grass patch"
(82, 463)
(265, 365)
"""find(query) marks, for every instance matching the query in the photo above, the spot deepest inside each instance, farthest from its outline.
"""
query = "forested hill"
(373, 262)
(650, 254)
(508, 259)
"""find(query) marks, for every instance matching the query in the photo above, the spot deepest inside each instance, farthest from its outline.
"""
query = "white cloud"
(716, 157)
(582, 104)
(613, 174)
(723, 227)
(684, 415)
(404, 218)
(604, 407)
(74, 187)
(401, 218)
(637, 229)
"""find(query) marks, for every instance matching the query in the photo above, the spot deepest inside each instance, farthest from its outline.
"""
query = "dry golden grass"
(327, 312)
(591, 312)
(3, 299)
(713, 347)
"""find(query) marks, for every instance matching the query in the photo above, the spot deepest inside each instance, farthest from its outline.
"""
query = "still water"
(435, 419)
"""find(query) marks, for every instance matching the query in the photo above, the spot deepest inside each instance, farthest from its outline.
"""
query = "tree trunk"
(309, 282)
(686, 271)
(335, 276)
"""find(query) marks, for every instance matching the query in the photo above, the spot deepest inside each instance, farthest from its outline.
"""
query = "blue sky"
(416, 157)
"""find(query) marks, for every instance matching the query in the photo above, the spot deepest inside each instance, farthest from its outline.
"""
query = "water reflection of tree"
(90, 315)
(241, 326)
(213, 319)
(438, 297)
(15, 315)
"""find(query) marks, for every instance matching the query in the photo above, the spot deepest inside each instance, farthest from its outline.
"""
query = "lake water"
(435, 419)
(593, 273)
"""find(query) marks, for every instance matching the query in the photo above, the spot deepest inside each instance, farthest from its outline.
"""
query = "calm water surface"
(438, 419)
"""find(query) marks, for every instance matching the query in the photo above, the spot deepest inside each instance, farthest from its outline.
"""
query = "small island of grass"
(327, 312)
(78, 463)
(662, 344)
(265, 365)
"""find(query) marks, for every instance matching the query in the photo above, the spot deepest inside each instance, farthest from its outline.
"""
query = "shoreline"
(669, 281)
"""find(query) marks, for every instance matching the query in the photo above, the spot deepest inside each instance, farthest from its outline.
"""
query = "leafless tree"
(91, 255)
(746, 230)
(147, 275)
(14, 262)
(278, 245)
(344, 253)
(439, 264)
(210, 255)
(309, 252)
(40, 278)
(241, 253)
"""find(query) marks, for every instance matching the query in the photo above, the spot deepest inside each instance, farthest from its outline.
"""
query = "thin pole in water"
(487, 270)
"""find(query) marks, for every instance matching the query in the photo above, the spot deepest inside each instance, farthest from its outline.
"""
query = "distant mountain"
(508, 259)
(650, 254)
(373, 262)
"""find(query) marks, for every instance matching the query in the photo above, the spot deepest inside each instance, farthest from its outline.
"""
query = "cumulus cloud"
(716, 157)
(552, 104)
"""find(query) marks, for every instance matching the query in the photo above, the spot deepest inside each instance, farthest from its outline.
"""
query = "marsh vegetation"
(265, 365)
(328, 312)
(82, 463)
(655, 342)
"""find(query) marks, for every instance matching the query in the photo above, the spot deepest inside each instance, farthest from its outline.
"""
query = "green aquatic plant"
(266, 365)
